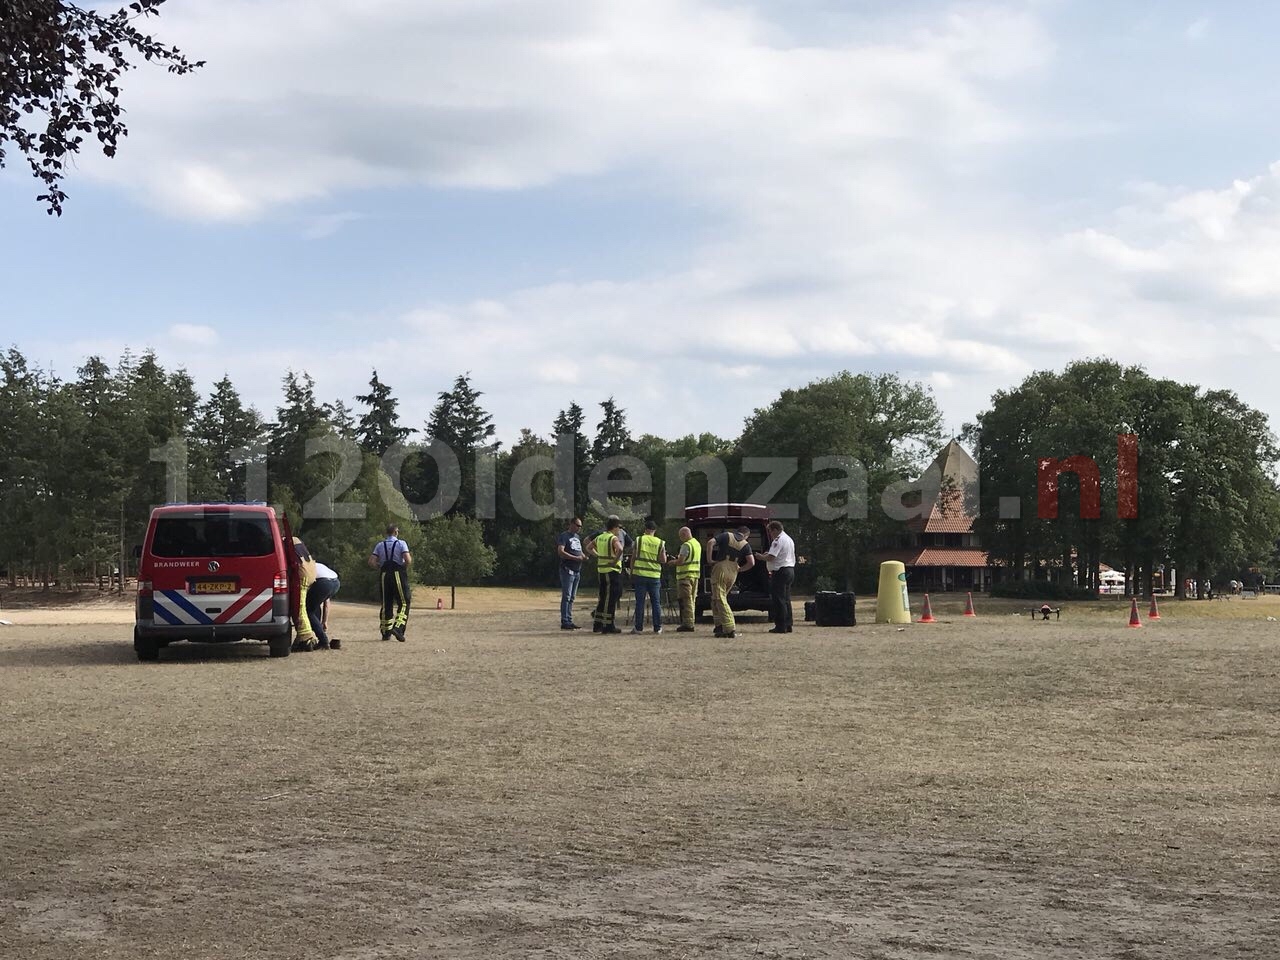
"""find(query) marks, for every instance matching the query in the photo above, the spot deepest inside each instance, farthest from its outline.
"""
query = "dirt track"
(495, 788)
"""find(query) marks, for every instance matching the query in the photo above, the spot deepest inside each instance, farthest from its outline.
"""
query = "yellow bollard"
(892, 605)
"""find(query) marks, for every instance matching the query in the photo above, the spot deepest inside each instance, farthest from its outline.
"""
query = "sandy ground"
(990, 788)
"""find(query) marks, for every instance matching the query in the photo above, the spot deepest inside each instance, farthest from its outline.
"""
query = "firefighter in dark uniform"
(391, 558)
(607, 550)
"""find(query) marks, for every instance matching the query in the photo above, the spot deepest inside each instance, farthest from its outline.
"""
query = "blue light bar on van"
(215, 503)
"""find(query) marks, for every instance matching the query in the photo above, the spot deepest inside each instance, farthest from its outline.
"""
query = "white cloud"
(1197, 29)
(196, 335)
(301, 100)
(863, 223)
(1209, 249)
(328, 224)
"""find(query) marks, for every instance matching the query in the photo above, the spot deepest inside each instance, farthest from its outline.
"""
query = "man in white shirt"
(781, 560)
(318, 596)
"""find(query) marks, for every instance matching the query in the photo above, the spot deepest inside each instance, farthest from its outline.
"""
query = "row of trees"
(1205, 481)
(83, 460)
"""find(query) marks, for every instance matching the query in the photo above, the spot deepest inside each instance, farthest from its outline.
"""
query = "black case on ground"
(832, 609)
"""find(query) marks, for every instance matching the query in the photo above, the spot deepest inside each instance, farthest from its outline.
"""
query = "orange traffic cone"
(1154, 612)
(968, 605)
(1134, 619)
(439, 603)
(927, 616)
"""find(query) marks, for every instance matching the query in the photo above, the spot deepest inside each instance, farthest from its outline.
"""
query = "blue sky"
(690, 205)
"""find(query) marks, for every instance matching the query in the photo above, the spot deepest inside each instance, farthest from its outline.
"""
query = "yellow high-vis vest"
(646, 560)
(606, 562)
(691, 569)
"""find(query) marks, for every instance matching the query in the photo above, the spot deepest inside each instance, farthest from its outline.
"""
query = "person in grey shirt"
(569, 550)
(391, 558)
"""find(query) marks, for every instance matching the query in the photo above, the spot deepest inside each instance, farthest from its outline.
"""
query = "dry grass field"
(989, 788)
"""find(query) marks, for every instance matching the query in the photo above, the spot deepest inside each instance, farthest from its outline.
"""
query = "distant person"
(628, 547)
(319, 594)
(650, 556)
(606, 549)
(688, 570)
(781, 561)
(391, 558)
(731, 555)
(569, 550)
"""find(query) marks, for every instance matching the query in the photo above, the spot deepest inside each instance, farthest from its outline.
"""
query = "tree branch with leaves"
(60, 67)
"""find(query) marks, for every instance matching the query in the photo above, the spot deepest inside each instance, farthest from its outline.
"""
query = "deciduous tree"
(455, 553)
(60, 70)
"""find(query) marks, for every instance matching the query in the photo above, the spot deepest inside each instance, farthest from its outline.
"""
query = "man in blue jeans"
(569, 550)
(647, 561)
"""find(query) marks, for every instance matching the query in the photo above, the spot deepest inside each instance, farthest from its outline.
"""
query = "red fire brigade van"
(214, 573)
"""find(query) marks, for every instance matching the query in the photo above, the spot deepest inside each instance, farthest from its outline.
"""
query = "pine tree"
(341, 419)
(101, 478)
(157, 413)
(379, 428)
(460, 423)
(569, 423)
(458, 419)
(60, 512)
(21, 455)
(613, 438)
(227, 437)
(294, 477)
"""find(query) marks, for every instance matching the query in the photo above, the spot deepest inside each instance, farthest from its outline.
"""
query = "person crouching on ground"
(732, 555)
(305, 638)
(319, 593)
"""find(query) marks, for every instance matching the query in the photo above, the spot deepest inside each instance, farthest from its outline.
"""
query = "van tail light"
(144, 588)
(281, 583)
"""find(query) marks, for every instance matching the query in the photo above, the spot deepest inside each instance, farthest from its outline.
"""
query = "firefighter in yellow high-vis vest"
(606, 548)
(688, 570)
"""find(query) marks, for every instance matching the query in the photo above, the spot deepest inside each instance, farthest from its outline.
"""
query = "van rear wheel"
(279, 646)
(147, 648)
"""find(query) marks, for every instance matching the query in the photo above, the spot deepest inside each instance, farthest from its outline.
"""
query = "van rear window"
(212, 536)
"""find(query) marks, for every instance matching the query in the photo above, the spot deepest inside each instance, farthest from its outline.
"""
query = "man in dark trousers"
(781, 560)
(391, 558)
(607, 551)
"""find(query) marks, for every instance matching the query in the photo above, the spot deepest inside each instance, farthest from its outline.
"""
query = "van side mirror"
(137, 551)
